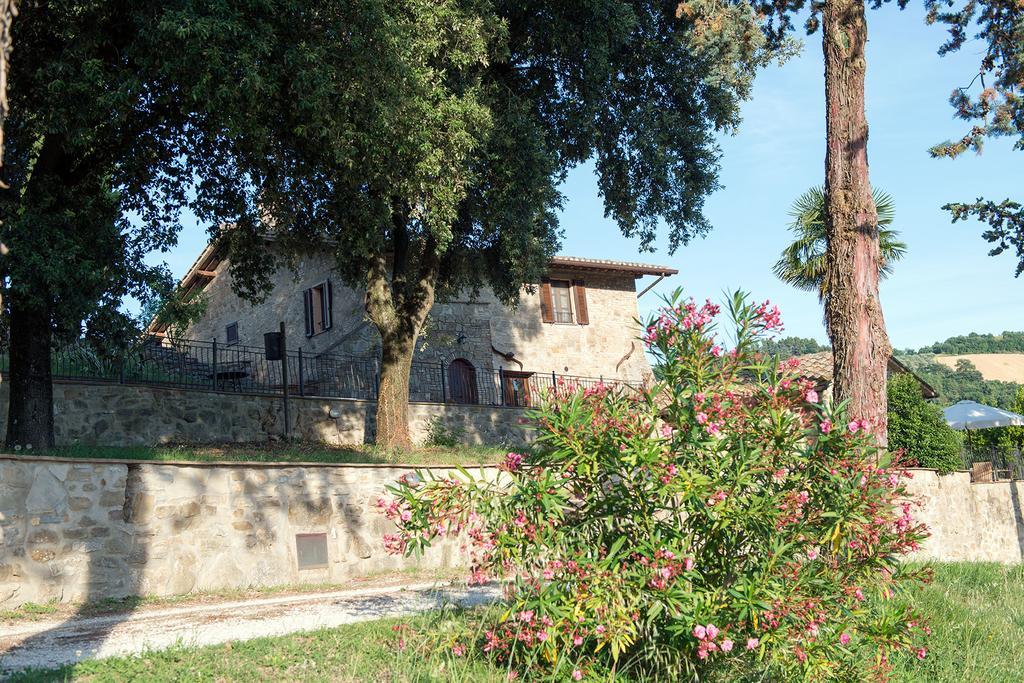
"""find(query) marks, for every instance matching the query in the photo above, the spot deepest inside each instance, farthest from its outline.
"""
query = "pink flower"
(406, 515)
(699, 632)
(688, 563)
(727, 645)
(752, 643)
(922, 653)
(702, 418)
(811, 396)
(512, 462)
(666, 431)
(800, 654)
(853, 426)
(526, 615)
(458, 649)
(712, 631)
(844, 638)
(577, 640)
(826, 426)
(812, 554)
(716, 351)
(577, 675)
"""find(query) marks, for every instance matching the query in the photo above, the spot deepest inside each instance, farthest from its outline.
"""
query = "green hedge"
(918, 428)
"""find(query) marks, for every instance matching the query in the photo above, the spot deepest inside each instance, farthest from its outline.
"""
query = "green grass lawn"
(976, 612)
(287, 452)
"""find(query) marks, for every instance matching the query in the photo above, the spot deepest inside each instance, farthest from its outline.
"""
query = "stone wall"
(74, 530)
(131, 415)
(86, 530)
(975, 522)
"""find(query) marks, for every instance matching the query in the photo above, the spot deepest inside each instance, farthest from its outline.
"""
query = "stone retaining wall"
(137, 415)
(86, 530)
(73, 530)
(974, 522)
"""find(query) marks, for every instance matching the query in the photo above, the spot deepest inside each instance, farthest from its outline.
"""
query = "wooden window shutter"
(328, 305)
(307, 307)
(579, 289)
(547, 305)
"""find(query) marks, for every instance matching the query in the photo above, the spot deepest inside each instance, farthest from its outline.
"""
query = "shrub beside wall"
(918, 429)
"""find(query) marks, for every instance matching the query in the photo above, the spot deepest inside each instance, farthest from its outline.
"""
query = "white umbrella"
(974, 415)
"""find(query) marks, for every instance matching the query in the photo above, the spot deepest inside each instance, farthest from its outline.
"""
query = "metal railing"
(209, 365)
(1005, 464)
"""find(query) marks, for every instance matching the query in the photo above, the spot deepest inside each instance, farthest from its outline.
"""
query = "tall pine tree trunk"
(30, 404)
(398, 306)
(853, 310)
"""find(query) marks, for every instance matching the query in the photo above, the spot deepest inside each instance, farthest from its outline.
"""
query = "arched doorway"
(462, 381)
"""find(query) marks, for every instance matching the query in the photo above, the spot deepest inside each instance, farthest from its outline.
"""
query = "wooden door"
(462, 381)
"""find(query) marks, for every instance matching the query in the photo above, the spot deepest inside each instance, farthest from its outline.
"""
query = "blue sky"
(946, 285)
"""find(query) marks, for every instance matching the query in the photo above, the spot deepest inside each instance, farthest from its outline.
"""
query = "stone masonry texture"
(113, 414)
(606, 347)
(74, 530)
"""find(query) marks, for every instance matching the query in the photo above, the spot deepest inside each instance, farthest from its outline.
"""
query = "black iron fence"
(191, 364)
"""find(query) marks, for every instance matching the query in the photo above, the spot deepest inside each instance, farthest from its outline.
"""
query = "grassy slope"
(290, 452)
(976, 612)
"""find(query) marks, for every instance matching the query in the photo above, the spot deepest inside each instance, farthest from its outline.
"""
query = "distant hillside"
(960, 380)
(1007, 342)
(1005, 367)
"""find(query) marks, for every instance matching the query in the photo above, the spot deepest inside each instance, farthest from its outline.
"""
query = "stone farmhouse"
(579, 321)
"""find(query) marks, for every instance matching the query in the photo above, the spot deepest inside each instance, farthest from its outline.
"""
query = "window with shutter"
(231, 333)
(547, 309)
(561, 298)
(307, 306)
(579, 289)
(319, 304)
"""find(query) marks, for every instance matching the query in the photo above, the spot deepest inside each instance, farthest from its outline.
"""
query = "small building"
(580, 321)
(818, 367)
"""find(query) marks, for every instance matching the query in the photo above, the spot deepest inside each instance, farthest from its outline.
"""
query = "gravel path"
(55, 643)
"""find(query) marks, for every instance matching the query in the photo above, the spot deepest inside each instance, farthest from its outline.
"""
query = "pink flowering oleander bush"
(721, 523)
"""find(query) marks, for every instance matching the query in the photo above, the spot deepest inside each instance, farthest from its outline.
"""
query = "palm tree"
(803, 262)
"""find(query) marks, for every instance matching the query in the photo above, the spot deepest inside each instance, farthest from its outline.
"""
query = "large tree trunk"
(853, 310)
(393, 394)
(30, 405)
(398, 306)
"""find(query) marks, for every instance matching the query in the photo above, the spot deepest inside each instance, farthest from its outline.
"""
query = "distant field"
(1006, 367)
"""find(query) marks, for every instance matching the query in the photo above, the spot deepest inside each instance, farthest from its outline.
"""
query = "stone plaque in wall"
(981, 472)
(311, 550)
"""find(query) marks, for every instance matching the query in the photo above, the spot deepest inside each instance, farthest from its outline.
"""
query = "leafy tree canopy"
(1007, 342)
(918, 429)
(991, 103)
(964, 383)
(94, 161)
(790, 346)
(424, 142)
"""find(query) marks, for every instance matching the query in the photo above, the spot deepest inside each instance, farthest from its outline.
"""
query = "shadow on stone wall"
(1018, 514)
(102, 535)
